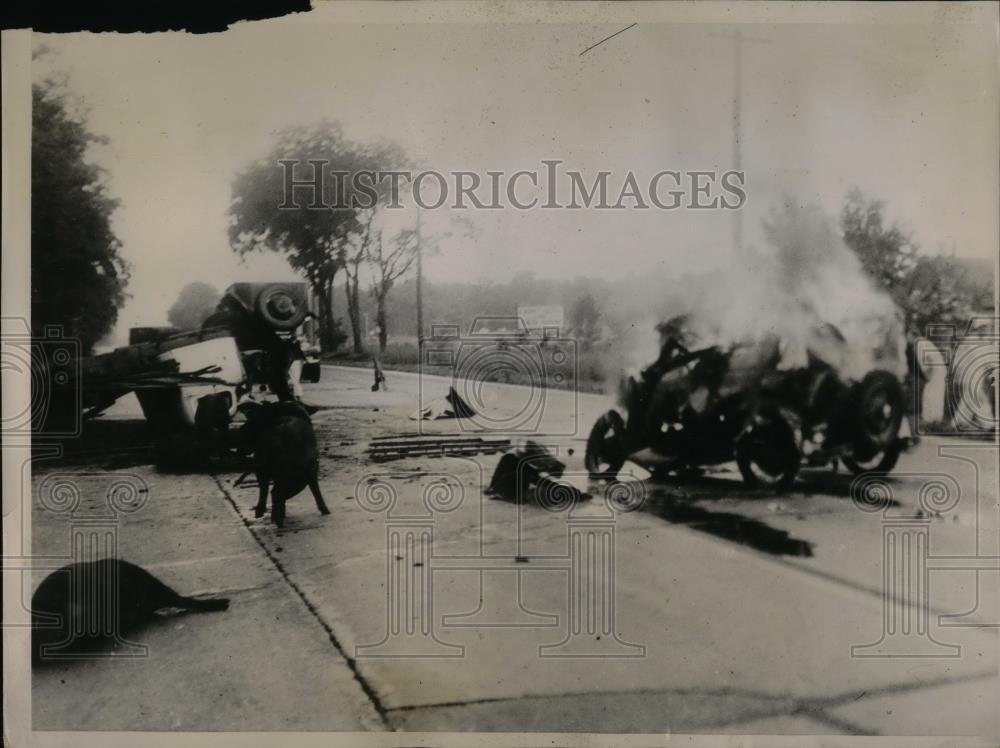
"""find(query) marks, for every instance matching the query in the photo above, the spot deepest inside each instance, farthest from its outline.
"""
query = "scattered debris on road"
(386, 448)
(450, 406)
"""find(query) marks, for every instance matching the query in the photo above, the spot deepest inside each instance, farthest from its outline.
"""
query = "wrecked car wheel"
(767, 453)
(881, 462)
(877, 412)
(606, 446)
(280, 306)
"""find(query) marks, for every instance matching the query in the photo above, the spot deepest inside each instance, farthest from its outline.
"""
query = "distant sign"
(542, 318)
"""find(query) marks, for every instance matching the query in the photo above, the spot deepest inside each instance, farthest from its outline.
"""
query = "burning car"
(766, 403)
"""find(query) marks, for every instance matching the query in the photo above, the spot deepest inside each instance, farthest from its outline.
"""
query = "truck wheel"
(767, 453)
(881, 462)
(606, 446)
(281, 307)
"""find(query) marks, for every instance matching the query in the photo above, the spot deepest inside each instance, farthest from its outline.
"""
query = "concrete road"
(423, 604)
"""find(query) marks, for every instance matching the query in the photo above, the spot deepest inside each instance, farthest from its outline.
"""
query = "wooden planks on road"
(397, 447)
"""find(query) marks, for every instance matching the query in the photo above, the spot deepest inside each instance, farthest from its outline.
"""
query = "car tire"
(881, 462)
(605, 453)
(768, 454)
(876, 413)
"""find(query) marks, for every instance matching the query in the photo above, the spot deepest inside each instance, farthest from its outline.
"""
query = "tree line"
(79, 275)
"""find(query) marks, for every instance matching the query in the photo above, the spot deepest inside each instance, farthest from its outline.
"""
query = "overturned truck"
(251, 342)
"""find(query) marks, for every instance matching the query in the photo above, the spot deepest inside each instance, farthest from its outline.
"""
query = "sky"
(907, 112)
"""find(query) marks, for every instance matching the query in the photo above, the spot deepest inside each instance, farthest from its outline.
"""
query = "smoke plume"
(803, 280)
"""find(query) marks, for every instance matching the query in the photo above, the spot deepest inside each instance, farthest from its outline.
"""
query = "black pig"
(81, 605)
(280, 436)
(211, 424)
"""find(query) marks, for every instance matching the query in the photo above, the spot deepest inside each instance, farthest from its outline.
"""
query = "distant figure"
(379, 375)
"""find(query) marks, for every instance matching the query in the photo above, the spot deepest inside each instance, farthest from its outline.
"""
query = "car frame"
(723, 403)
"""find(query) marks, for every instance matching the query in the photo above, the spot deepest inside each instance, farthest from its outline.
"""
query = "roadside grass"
(557, 365)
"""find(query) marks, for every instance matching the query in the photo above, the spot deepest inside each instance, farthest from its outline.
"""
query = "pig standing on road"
(283, 443)
(211, 424)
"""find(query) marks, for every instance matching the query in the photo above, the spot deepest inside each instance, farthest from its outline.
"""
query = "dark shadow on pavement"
(810, 481)
(120, 443)
(110, 443)
(726, 525)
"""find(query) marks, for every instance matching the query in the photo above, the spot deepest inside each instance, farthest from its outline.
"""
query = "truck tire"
(281, 307)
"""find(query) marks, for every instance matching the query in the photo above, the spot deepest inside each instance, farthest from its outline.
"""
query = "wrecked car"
(700, 405)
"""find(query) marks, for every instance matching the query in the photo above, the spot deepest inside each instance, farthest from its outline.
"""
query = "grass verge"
(559, 367)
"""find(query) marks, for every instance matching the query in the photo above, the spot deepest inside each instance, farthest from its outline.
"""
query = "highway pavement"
(423, 602)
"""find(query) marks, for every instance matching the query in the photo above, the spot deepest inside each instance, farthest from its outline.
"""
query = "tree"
(928, 290)
(194, 304)
(367, 230)
(78, 275)
(355, 257)
(312, 235)
(389, 261)
(584, 317)
(306, 231)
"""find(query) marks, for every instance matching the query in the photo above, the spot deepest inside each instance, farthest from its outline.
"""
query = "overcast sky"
(907, 113)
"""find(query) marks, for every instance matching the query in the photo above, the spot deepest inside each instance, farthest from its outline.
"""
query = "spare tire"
(281, 306)
(875, 414)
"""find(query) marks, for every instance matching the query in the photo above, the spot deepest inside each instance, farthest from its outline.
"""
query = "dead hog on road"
(280, 436)
(88, 603)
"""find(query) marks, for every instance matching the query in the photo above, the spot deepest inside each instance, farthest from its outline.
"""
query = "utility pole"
(737, 129)
(420, 285)
(738, 38)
